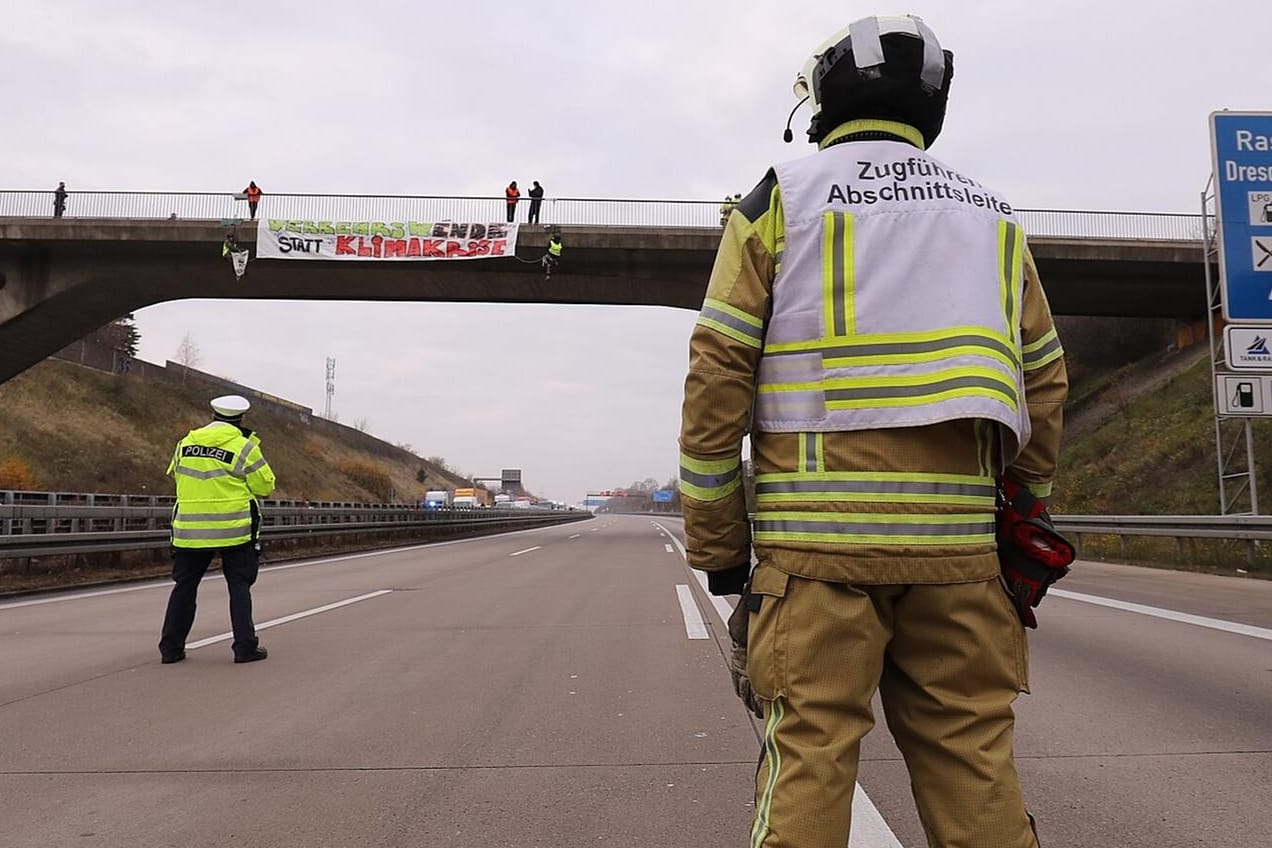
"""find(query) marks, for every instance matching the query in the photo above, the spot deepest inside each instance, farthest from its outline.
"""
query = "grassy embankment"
(66, 428)
(1156, 456)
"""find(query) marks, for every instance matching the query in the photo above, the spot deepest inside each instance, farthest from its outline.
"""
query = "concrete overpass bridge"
(61, 278)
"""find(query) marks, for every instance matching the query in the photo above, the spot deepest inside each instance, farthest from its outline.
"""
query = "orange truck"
(470, 498)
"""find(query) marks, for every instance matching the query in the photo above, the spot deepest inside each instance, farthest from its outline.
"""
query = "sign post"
(1241, 149)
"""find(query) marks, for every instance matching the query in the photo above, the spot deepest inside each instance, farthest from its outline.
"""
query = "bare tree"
(187, 355)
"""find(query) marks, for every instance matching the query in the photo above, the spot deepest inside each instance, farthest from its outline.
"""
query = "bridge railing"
(566, 211)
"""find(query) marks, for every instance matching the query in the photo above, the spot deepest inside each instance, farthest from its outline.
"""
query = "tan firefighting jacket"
(903, 504)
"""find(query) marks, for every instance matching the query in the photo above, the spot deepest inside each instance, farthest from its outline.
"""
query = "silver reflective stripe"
(255, 466)
(211, 533)
(842, 351)
(838, 295)
(203, 475)
(792, 366)
(708, 481)
(244, 515)
(921, 390)
(867, 49)
(732, 322)
(871, 528)
(933, 73)
(1009, 270)
(890, 487)
(1043, 355)
(810, 451)
(791, 406)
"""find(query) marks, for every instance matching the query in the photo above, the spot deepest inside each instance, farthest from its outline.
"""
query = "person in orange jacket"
(512, 194)
(253, 192)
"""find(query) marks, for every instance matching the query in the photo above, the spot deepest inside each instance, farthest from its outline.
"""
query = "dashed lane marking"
(695, 627)
(212, 640)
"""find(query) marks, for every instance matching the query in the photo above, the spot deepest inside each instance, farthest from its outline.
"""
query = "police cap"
(230, 406)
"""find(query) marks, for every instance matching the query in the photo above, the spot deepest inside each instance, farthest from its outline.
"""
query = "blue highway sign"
(1242, 146)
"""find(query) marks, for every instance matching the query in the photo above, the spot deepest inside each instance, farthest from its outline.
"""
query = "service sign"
(1247, 348)
(1242, 146)
(383, 241)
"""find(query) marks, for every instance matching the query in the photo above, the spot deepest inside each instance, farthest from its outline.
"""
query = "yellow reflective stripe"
(724, 329)
(993, 384)
(872, 539)
(715, 493)
(1010, 250)
(1040, 490)
(709, 466)
(1043, 351)
(812, 453)
(867, 339)
(909, 133)
(709, 479)
(734, 311)
(926, 356)
(874, 528)
(773, 756)
(881, 476)
(986, 501)
(837, 273)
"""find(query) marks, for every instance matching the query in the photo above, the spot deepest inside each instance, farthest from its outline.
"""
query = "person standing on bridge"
(253, 193)
(511, 195)
(220, 472)
(536, 201)
(875, 322)
(59, 200)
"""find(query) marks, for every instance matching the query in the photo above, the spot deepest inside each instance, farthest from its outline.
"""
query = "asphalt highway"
(567, 687)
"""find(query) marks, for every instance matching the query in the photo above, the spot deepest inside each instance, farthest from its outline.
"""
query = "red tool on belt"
(1031, 554)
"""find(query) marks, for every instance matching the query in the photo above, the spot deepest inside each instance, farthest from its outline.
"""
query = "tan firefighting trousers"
(948, 660)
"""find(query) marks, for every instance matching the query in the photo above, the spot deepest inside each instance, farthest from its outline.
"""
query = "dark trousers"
(240, 565)
(58, 209)
(512, 212)
(533, 217)
(251, 208)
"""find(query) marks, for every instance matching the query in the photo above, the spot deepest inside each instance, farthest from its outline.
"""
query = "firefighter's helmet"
(890, 68)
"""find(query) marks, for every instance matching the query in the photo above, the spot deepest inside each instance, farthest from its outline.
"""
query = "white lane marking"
(212, 640)
(166, 582)
(1170, 615)
(576, 535)
(526, 551)
(869, 829)
(594, 529)
(669, 549)
(695, 627)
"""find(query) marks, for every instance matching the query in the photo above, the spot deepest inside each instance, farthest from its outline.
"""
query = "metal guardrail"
(568, 211)
(70, 523)
(49, 529)
(1237, 527)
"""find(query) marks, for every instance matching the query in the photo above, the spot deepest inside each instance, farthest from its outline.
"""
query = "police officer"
(876, 323)
(219, 472)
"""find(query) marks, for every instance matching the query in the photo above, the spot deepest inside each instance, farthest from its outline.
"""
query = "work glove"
(739, 622)
(1031, 554)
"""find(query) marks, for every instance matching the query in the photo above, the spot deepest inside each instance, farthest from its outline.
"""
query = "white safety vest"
(897, 299)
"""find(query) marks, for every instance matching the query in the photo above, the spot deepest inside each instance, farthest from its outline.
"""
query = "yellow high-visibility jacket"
(885, 422)
(219, 473)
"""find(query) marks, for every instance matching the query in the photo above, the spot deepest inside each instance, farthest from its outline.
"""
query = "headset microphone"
(787, 136)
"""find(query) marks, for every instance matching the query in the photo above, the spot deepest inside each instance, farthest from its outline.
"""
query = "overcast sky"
(1057, 105)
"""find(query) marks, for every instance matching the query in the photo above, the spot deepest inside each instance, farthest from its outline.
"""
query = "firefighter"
(875, 322)
(220, 472)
